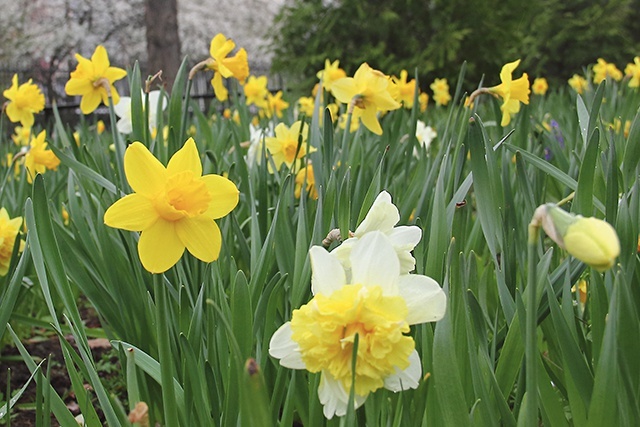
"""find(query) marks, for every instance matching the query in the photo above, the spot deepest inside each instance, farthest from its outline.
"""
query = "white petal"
(327, 273)
(382, 216)
(123, 108)
(124, 125)
(404, 380)
(425, 298)
(343, 252)
(405, 237)
(334, 397)
(284, 348)
(374, 262)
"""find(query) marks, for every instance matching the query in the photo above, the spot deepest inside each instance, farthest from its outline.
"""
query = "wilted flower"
(93, 80)
(512, 92)
(540, 86)
(174, 207)
(25, 100)
(377, 304)
(255, 91)
(283, 147)
(123, 110)
(330, 74)
(305, 178)
(368, 92)
(38, 159)
(591, 240)
(9, 229)
(604, 69)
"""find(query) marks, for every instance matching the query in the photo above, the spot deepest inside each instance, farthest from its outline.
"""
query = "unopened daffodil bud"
(591, 240)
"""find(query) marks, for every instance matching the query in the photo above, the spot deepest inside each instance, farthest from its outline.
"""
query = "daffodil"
(383, 216)
(275, 105)
(236, 66)
(591, 240)
(632, 70)
(174, 207)
(440, 88)
(257, 136)
(283, 147)
(512, 92)
(377, 303)
(93, 80)
(578, 83)
(425, 134)
(305, 178)
(423, 99)
(9, 229)
(540, 86)
(38, 159)
(604, 69)
(306, 105)
(123, 110)
(25, 100)
(368, 92)
(255, 91)
(330, 74)
(406, 89)
(21, 135)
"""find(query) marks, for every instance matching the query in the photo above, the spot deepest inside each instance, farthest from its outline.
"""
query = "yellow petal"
(90, 102)
(100, 60)
(145, 173)
(218, 87)
(160, 247)
(224, 196)
(186, 159)
(201, 236)
(344, 89)
(78, 87)
(133, 212)
(370, 119)
(114, 73)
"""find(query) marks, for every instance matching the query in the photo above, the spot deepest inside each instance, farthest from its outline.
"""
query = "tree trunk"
(163, 40)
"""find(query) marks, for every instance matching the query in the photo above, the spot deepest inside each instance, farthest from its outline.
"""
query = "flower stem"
(119, 145)
(531, 341)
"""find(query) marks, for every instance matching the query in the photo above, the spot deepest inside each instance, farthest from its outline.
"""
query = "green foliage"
(554, 38)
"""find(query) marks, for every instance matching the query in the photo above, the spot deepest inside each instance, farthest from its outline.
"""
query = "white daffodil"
(378, 304)
(425, 134)
(257, 135)
(383, 216)
(123, 110)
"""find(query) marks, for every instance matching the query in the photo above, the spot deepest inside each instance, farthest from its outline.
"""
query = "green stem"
(531, 341)
(119, 145)
(185, 111)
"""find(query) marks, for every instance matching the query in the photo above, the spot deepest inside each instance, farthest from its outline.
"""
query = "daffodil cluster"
(362, 291)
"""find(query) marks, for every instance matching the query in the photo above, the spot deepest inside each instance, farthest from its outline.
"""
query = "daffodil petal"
(344, 89)
(201, 236)
(334, 397)
(145, 173)
(133, 212)
(374, 262)
(160, 247)
(90, 102)
(100, 60)
(186, 159)
(369, 118)
(406, 379)
(382, 216)
(78, 86)
(328, 275)
(282, 347)
(426, 301)
(224, 195)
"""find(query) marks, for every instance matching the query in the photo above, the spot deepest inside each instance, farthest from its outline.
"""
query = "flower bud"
(591, 240)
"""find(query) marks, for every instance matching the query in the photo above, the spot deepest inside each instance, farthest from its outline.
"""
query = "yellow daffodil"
(512, 92)
(440, 88)
(275, 105)
(174, 207)
(38, 159)
(578, 83)
(330, 74)
(581, 288)
(604, 69)
(540, 86)
(633, 71)
(406, 89)
(368, 90)
(64, 213)
(236, 66)
(355, 122)
(306, 105)
(255, 91)
(591, 240)
(423, 99)
(25, 100)
(9, 229)
(305, 175)
(377, 303)
(284, 145)
(21, 135)
(93, 80)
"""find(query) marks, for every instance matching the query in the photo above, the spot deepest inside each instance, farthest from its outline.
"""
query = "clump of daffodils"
(375, 300)
(591, 240)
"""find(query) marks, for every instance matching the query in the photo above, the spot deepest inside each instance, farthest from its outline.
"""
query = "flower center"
(289, 149)
(184, 196)
(326, 327)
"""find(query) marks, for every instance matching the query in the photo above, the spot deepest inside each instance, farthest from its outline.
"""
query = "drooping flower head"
(512, 92)
(283, 147)
(123, 110)
(540, 86)
(93, 80)
(330, 74)
(406, 89)
(578, 83)
(378, 304)
(235, 66)
(38, 159)
(174, 207)
(25, 100)
(255, 91)
(9, 229)
(368, 90)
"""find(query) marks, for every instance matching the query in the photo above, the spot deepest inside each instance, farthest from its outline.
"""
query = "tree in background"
(555, 38)
(163, 40)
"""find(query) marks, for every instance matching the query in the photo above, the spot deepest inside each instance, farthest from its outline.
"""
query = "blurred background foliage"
(554, 38)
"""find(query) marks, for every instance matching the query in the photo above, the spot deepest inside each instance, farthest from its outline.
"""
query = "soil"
(43, 345)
